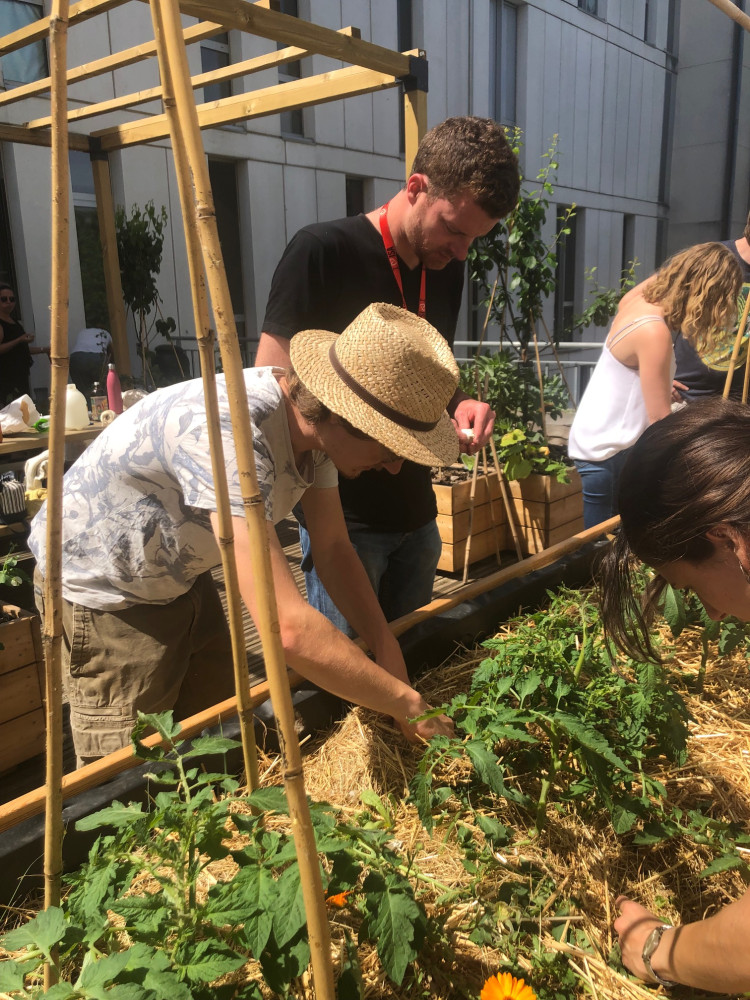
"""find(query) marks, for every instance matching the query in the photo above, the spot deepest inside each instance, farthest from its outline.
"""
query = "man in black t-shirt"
(697, 377)
(409, 252)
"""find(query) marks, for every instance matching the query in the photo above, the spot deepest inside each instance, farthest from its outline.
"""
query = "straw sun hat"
(391, 375)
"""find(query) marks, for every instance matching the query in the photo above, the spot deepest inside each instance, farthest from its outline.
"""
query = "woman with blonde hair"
(695, 291)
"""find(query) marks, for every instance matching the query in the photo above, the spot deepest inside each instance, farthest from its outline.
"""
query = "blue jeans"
(401, 567)
(600, 482)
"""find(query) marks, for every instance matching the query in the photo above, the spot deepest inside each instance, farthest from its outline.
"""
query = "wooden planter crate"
(547, 511)
(22, 677)
(453, 502)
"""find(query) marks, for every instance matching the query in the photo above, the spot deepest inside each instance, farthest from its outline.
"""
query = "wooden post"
(105, 213)
(205, 338)
(268, 625)
(415, 108)
(52, 636)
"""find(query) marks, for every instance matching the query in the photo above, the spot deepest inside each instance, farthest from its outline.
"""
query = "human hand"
(478, 418)
(677, 389)
(633, 926)
(421, 732)
(27, 338)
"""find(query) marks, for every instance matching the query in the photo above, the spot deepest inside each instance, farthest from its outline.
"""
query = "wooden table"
(39, 442)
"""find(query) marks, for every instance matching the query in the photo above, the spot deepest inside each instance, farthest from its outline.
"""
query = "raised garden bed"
(22, 679)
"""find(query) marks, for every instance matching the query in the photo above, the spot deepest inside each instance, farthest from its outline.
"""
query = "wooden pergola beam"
(348, 82)
(243, 15)
(19, 133)
(137, 53)
(733, 11)
(39, 30)
(231, 72)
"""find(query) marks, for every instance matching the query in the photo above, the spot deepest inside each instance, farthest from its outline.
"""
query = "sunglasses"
(7, 298)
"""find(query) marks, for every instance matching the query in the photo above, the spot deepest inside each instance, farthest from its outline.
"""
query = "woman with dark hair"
(695, 291)
(684, 503)
(15, 353)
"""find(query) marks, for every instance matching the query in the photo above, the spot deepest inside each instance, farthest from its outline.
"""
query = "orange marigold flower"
(338, 901)
(506, 987)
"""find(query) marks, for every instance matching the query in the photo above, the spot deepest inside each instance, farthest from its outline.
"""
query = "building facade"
(643, 138)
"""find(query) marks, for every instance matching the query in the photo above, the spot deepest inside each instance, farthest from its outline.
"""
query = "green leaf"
(350, 985)
(11, 976)
(289, 906)
(149, 913)
(43, 932)
(116, 815)
(724, 863)
(102, 971)
(391, 924)
(489, 770)
(60, 991)
(282, 965)
(205, 745)
(271, 799)
(208, 960)
(588, 737)
(674, 610)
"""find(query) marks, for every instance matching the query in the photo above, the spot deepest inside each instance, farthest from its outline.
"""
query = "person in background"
(143, 626)
(695, 291)
(409, 252)
(15, 352)
(88, 359)
(684, 502)
(697, 376)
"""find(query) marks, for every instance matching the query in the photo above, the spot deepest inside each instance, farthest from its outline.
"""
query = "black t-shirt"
(328, 274)
(692, 372)
(14, 364)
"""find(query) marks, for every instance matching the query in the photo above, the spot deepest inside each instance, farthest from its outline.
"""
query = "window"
(506, 36)
(29, 63)
(87, 236)
(590, 6)
(215, 55)
(628, 242)
(355, 195)
(292, 122)
(565, 284)
(7, 262)
(223, 177)
(650, 22)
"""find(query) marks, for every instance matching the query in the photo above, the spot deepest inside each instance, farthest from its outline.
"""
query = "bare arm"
(709, 954)
(316, 649)
(272, 350)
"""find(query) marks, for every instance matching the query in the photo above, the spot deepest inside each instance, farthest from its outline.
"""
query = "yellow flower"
(506, 987)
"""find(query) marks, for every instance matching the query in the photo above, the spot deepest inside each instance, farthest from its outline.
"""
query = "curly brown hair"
(698, 288)
(470, 154)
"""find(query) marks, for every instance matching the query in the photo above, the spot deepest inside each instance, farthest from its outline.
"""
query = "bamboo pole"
(304, 838)
(472, 501)
(736, 348)
(733, 11)
(52, 634)
(92, 775)
(510, 510)
(493, 522)
(105, 214)
(542, 413)
(32, 803)
(205, 338)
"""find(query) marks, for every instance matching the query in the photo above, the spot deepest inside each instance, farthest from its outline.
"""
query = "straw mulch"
(585, 860)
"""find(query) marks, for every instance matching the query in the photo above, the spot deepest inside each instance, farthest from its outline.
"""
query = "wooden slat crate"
(22, 680)
(453, 503)
(547, 511)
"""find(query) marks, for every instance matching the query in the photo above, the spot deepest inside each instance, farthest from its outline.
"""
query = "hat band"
(409, 423)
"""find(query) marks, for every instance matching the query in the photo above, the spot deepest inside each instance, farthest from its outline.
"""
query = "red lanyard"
(393, 260)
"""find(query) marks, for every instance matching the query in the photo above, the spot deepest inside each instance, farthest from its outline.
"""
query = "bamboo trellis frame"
(373, 68)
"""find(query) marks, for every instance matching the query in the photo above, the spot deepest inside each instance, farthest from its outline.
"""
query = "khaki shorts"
(148, 658)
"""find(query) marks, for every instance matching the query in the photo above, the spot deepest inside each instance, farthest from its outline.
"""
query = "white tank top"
(612, 413)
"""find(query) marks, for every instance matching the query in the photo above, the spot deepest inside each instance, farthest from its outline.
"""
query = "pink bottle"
(114, 393)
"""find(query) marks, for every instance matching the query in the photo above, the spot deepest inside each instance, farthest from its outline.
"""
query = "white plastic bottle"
(76, 410)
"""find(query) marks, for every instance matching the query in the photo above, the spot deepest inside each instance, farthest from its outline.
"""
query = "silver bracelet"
(650, 945)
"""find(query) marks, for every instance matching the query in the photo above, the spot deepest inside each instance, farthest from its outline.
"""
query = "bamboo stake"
(105, 214)
(205, 338)
(736, 349)
(472, 500)
(510, 510)
(304, 838)
(52, 633)
(542, 414)
(95, 774)
(733, 11)
(495, 525)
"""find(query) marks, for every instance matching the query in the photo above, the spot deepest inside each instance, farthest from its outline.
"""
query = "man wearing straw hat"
(410, 252)
(142, 621)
